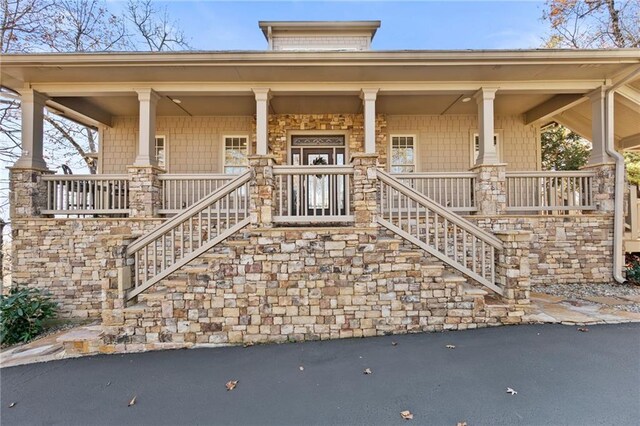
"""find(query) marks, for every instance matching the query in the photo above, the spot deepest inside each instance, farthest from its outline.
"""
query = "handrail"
(552, 173)
(451, 217)
(84, 177)
(312, 170)
(434, 175)
(200, 205)
(180, 176)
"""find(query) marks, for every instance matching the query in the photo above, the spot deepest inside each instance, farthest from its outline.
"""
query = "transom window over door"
(403, 154)
(236, 150)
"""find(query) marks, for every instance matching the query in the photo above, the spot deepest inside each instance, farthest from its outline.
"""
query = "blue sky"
(222, 25)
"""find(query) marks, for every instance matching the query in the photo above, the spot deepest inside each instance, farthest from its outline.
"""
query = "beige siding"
(194, 143)
(444, 142)
(338, 42)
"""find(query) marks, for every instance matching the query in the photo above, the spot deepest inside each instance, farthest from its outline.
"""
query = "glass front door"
(318, 194)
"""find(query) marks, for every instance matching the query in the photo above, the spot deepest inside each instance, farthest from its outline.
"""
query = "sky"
(233, 25)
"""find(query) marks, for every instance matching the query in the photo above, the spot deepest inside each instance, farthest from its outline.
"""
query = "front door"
(318, 194)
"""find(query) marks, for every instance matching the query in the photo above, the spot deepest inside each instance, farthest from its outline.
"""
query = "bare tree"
(593, 23)
(73, 26)
(153, 28)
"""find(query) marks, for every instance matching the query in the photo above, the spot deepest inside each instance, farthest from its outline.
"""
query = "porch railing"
(550, 191)
(81, 195)
(180, 191)
(453, 190)
(313, 194)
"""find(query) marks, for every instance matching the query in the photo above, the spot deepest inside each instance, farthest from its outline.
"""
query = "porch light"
(466, 99)
(177, 101)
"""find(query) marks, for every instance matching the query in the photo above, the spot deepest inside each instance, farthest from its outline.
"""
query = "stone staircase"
(306, 284)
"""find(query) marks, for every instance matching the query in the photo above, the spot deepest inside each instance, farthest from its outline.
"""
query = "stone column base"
(364, 192)
(491, 188)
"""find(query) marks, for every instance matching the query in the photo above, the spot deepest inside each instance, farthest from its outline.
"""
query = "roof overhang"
(270, 28)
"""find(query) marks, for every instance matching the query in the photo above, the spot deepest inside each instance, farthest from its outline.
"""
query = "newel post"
(262, 191)
(513, 269)
(490, 189)
(365, 189)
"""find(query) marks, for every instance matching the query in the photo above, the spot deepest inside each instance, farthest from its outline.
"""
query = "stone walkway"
(545, 309)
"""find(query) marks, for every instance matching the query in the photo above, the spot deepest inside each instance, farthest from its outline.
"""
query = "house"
(318, 189)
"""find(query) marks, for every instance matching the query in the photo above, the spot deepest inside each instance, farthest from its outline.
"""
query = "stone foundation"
(276, 285)
(71, 259)
(281, 284)
(563, 248)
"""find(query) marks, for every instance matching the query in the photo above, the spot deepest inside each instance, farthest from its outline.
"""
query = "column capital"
(598, 94)
(262, 93)
(485, 94)
(148, 95)
(369, 94)
(30, 95)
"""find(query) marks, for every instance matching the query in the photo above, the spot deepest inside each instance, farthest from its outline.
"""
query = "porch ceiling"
(310, 103)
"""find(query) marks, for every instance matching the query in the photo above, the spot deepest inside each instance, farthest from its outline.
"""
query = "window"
(161, 151)
(476, 147)
(235, 154)
(402, 154)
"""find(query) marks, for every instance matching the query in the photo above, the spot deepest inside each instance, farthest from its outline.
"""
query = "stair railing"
(187, 235)
(431, 226)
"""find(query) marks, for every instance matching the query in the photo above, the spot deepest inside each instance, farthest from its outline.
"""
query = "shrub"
(633, 268)
(22, 313)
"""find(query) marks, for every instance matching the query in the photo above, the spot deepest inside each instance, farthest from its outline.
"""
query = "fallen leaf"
(13, 404)
(231, 384)
(584, 330)
(407, 415)
(394, 343)
(301, 368)
(248, 344)
(511, 391)
(133, 401)
(462, 424)
(450, 346)
(108, 383)
(367, 371)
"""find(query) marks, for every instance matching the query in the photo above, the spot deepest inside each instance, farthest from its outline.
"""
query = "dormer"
(319, 35)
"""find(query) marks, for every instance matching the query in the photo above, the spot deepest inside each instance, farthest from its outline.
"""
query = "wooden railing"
(180, 191)
(453, 190)
(189, 234)
(81, 195)
(549, 191)
(313, 194)
(438, 231)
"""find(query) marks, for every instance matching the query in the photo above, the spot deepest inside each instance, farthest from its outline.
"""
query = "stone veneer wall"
(304, 284)
(71, 259)
(563, 248)
(282, 126)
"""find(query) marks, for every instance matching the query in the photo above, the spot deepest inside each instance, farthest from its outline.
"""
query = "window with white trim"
(236, 150)
(476, 147)
(161, 151)
(403, 154)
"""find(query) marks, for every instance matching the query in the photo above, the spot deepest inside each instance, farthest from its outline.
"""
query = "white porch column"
(262, 120)
(32, 106)
(369, 99)
(148, 99)
(487, 150)
(598, 127)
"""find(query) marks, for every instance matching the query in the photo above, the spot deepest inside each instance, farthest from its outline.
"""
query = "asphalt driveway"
(562, 376)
